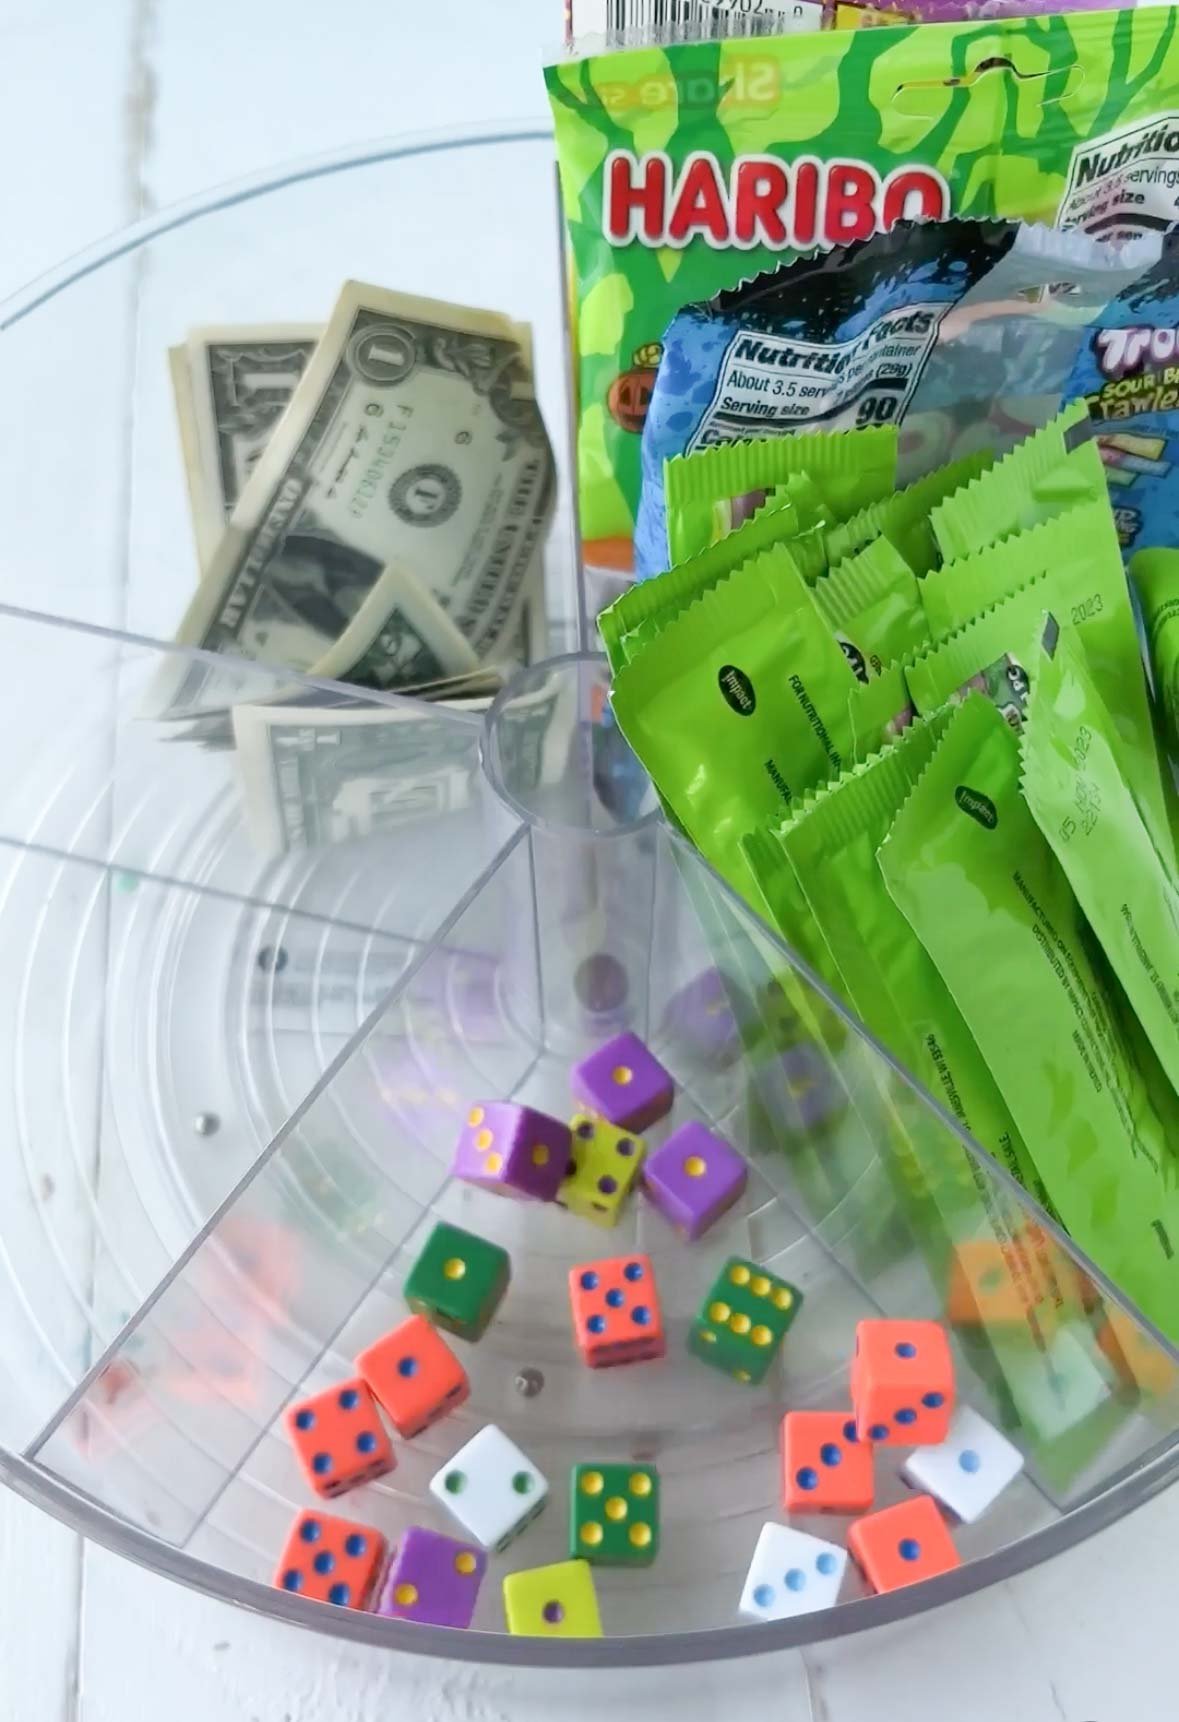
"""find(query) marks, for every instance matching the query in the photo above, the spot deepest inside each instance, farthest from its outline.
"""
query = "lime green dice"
(458, 1281)
(743, 1320)
(553, 1602)
(614, 1515)
(604, 1164)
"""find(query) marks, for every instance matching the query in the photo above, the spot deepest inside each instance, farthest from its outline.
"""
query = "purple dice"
(707, 1016)
(624, 1084)
(513, 1150)
(800, 1090)
(432, 1578)
(694, 1178)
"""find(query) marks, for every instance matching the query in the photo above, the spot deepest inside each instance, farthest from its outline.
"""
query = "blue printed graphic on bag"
(1128, 372)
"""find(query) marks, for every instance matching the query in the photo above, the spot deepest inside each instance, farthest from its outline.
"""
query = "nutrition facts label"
(769, 382)
(1125, 183)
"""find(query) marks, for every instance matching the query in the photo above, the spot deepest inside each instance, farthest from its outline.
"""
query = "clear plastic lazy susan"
(232, 1081)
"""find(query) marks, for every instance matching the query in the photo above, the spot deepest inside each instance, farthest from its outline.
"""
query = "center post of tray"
(553, 756)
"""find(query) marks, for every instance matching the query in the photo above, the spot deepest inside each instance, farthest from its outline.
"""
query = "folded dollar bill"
(388, 530)
(231, 384)
(316, 774)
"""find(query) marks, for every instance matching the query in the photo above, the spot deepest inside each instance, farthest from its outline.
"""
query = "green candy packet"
(878, 711)
(887, 977)
(1156, 576)
(968, 867)
(850, 468)
(897, 1120)
(739, 706)
(792, 513)
(780, 899)
(1074, 787)
(1082, 537)
(819, 878)
(992, 653)
(797, 491)
(872, 604)
(904, 517)
(800, 489)
(1053, 469)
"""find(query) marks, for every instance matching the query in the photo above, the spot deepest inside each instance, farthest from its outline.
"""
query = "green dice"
(743, 1320)
(614, 1515)
(458, 1281)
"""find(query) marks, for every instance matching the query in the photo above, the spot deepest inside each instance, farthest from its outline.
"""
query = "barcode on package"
(627, 23)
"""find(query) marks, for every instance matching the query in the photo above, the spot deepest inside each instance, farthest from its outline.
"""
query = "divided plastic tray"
(230, 1084)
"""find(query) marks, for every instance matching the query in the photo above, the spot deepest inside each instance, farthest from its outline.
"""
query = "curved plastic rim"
(91, 1520)
(129, 239)
(651, 1650)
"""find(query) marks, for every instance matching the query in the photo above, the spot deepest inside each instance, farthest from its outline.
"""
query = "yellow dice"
(553, 1602)
(606, 1163)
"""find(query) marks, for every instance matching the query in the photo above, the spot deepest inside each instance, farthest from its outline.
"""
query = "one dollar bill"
(232, 384)
(389, 528)
(319, 775)
(316, 774)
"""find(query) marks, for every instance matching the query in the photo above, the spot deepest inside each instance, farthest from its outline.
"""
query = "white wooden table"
(108, 109)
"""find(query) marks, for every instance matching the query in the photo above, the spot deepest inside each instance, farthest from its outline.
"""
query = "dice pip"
(558, 1601)
(432, 1578)
(331, 1560)
(458, 1281)
(414, 1376)
(969, 1469)
(492, 1488)
(694, 1178)
(994, 1285)
(743, 1320)
(614, 1514)
(825, 1466)
(339, 1439)
(512, 1150)
(902, 1383)
(903, 1544)
(603, 1165)
(624, 1084)
(982, 1291)
(799, 1091)
(616, 1312)
(791, 1574)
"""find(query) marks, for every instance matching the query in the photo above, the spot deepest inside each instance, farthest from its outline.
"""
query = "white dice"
(491, 1488)
(791, 1573)
(968, 1469)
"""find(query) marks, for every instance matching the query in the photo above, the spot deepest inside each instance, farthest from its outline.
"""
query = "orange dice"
(825, 1465)
(992, 1285)
(331, 1560)
(983, 1291)
(339, 1438)
(414, 1376)
(1140, 1361)
(616, 1313)
(902, 1383)
(903, 1544)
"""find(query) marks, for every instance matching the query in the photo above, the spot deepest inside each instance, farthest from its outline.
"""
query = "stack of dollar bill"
(369, 501)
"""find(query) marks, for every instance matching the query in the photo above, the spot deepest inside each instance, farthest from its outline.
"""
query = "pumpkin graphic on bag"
(629, 395)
